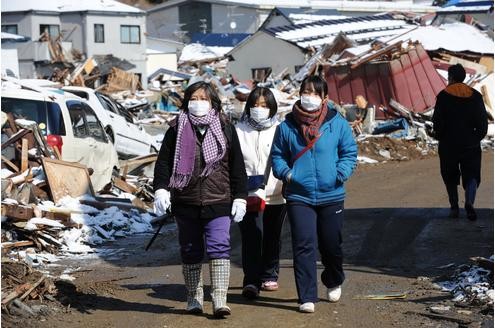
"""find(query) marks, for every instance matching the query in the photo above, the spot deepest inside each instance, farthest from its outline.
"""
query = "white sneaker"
(334, 294)
(307, 307)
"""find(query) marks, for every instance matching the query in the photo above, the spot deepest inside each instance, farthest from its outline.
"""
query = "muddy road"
(396, 230)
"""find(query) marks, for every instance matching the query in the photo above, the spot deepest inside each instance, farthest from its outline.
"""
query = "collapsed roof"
(410, 79)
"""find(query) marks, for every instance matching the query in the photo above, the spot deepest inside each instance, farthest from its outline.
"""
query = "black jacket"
(459, 119)
(216, 191)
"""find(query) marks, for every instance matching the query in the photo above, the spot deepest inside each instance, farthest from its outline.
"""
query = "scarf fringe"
(179, 181)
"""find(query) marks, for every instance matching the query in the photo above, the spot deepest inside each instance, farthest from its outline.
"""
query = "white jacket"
(256, 146)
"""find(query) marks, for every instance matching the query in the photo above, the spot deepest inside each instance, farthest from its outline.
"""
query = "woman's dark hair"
(255, 94)
(457, 73)
(210, 93)
(316, 83)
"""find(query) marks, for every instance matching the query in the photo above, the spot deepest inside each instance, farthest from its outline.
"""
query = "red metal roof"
(411, 80)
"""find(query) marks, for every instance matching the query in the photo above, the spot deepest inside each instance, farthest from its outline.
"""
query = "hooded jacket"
(318, 176)
(459, 119)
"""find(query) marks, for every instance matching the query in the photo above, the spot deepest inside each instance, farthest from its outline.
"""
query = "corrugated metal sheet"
(411, 80)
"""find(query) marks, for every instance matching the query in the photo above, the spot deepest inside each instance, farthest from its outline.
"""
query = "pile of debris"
(44, 213)
(23, 290)
(472, 284)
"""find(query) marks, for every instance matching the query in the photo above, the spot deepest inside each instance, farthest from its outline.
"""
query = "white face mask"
(259, 113)
(198, 107)
(310, 103)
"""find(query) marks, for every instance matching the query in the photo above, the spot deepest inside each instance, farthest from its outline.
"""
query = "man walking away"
(460, 123)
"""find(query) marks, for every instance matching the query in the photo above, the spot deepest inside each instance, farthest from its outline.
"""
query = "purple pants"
(195, 233)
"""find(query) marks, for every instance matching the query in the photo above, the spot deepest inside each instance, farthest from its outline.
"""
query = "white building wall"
(157, 61)
(134, 53)
(264, 50)
(9, 59)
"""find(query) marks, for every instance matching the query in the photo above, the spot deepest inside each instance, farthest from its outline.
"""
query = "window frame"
(129, 27)
(6, 26)
(42, 30)
(102, 33)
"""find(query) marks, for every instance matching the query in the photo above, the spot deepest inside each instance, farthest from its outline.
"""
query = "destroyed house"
(410, 79)
(89, 27)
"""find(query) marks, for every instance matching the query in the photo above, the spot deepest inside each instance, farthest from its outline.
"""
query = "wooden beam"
(12, 244)
(124, 186)
(9, 163)
(36, 284)
(17, 212)
(15, 137)
(24, 155)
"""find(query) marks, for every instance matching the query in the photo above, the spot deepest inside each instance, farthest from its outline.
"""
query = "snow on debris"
(470, 284)
(198, 52)
(91, 226)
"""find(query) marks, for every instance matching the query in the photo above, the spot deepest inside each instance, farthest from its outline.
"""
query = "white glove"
(162, 201)
(238, 209)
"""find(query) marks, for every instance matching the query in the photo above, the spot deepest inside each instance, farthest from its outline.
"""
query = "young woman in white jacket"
(262, 225)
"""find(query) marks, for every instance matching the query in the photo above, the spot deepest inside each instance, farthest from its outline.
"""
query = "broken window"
(53, 31)
(11, 28)
(260, 74)
(94, 126)
(99, 33)
(130, 34)
(77, 119)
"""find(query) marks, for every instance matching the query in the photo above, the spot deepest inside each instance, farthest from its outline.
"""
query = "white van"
(69, 124)
(130, 139)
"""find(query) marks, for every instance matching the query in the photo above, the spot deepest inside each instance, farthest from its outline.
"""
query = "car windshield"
(47, 114)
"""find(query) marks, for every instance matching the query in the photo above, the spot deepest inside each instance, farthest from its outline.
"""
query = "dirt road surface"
(396, 230)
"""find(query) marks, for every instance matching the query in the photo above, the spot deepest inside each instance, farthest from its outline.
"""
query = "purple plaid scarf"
(213, 147)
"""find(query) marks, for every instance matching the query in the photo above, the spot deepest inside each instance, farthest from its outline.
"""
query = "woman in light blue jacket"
(314, 153)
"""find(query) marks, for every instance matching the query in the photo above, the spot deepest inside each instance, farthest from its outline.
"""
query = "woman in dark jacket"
(200, 172)
(314, 153)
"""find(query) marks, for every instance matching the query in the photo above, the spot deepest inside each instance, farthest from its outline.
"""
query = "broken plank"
(17, 212)
(16, 137)
(19, 290)
(124, 186)
(9, 163)
(36, 284)
(13, 244)
(141, 160)
(48, 238)
(12, 125)
(24, 155)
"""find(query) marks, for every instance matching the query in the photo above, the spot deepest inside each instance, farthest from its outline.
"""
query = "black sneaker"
(471, 213)
(250, 292)
(454, 212)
